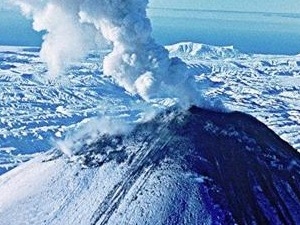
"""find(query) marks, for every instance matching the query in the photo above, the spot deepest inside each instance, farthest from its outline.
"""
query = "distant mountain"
(182, 167)
(192, 49)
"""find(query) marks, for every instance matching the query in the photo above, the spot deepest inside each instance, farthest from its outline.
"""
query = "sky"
(278, 6)
(15, 29)
(284, 6)
(249, 33)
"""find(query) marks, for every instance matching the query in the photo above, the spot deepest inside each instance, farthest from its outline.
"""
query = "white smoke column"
(66, 40)
(136, 62)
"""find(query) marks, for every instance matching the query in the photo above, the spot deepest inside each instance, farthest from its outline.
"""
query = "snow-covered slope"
(193, 167)
(35, 112)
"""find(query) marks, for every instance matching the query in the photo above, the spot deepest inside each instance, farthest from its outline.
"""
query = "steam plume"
(136, 62)
(66, 40)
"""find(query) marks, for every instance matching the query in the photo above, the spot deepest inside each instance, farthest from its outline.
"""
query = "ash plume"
(136, 62)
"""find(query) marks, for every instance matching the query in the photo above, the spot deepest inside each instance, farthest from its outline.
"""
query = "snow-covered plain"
(36, 112)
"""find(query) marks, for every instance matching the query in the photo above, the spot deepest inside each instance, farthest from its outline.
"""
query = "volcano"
(182, 167)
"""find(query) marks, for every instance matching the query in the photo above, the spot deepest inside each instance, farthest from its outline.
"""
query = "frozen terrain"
(35, 112)
(182, 167)
(103, 125)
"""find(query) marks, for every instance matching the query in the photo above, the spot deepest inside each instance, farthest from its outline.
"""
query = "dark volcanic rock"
(255, 172)
(248, 175)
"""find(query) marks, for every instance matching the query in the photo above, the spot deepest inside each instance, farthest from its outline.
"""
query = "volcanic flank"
(183, 167)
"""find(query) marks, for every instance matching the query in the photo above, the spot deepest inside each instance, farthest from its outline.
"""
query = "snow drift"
(136, 62)
(182, 167)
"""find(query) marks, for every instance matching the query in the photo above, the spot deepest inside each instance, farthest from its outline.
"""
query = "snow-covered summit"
(191, 167)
